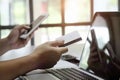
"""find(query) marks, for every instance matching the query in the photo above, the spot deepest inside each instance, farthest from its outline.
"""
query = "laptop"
(102, 23)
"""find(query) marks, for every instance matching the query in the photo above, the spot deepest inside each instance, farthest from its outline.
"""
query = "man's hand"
(14, 37)
(13, 41)
(49, 53)
(44, 56)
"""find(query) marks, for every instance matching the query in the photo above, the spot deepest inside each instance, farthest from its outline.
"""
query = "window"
(106, 5)
(12, 12)
(61, 16)
(64, 15)
(77, 11)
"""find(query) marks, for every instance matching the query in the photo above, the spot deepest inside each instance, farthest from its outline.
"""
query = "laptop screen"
(106, 26)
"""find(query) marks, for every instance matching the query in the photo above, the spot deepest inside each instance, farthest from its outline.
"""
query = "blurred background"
(65, 16)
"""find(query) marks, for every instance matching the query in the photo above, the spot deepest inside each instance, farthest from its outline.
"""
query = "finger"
(23, 31)
(24, 41)
(57, 42)
(63, 50)
(22, 27)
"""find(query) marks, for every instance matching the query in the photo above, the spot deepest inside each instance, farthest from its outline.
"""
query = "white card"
(70, 38)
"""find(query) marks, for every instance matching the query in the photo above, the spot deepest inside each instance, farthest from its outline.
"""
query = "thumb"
(63, 49)
(57, 43)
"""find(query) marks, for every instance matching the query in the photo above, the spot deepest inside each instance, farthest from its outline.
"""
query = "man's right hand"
(48, 54)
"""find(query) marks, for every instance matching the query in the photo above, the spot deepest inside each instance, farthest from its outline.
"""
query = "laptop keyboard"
(70, 74)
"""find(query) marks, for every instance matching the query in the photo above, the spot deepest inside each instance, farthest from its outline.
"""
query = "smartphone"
(33, 26)
(94, 38)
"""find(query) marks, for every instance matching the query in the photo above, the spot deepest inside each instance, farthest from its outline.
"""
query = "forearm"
(11, 69)
(4, 46)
